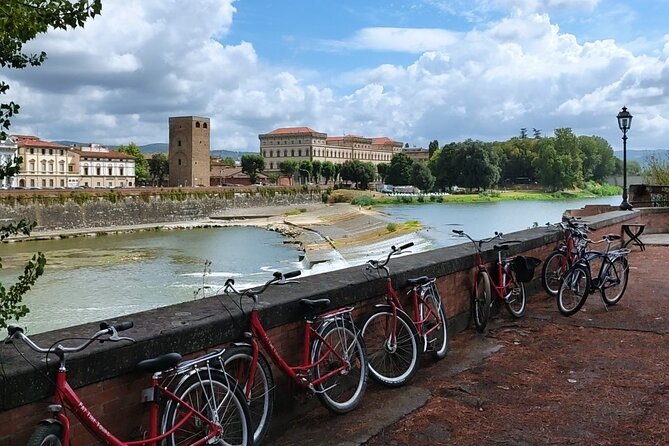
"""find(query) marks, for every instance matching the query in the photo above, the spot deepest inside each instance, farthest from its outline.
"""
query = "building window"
(61, 152)
(278, 154)
(197, 124)
(50, 151)
(51, 166)
(204, 125)
(70, 168)
(85, 170)
(271, 166)
(109, 169)
(43, 166)
(51, 183)
(110, 184)
(32, 183)
(43, 151)
(285, 153)
(61, 167)
(179, 143)
(32, 151)
(299, 152)
(292, 153)
(98, 172)
(179, 161)
(62, 183)
(120, 171)
(44, 184)
(31, 165)
(271, 153)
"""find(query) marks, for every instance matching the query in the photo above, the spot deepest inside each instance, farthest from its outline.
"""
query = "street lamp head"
(624, 120)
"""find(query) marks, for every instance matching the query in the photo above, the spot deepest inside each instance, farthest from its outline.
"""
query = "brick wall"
(104, 376)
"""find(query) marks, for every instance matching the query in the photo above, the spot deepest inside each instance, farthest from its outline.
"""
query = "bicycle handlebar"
(377, 264)
(479, 243)
(15, 332)
(278, 278)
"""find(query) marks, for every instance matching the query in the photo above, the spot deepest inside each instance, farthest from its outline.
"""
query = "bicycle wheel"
(343, 391)
(393, 357)
(574, 290)
(482, 302)
(46, 435)
(554, 267)
(615, 275)
(515, 297)
(437, 324)
(216, 395)
(237, 361)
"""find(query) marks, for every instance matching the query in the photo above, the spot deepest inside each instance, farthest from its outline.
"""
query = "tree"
(288, 168)
(421, 177)
(476, 166)
(228, 161)
(559, 164)
(536, 133)
(252, 165)
(399, 172)
(328, 171)
(523, 133)
(159, 167)
(305, 171)
(316, 171)
(599, 160)
(358, 172)
(656, 171)
(21, 21)
(433, 147)
(141, 164)
(382, 169)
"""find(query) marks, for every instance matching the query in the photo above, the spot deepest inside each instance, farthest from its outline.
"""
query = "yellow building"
(305, 144)
(46, 165)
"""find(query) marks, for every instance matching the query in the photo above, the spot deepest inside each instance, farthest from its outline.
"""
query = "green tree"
(656, 171)
(443, 166)
(599, 160)
(382, 169)
(559, 164)
(421, 177)
(316, 171)
(159, 167)
(328, 171)
(358, 172)
(288, 168)
(252, 165)
(141, 164)
(21, 21)
(433, 147)
(228, 161)
(476, 165)
(399, 172)
(305, 168)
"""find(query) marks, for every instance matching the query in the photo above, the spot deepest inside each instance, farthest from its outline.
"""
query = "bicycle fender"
(241, 344)
(49, 422)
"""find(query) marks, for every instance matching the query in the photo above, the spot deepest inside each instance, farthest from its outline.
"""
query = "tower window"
(204, 125)
(179, 143)
(197, 124)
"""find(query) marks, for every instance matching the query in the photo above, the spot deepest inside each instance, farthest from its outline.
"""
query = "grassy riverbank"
(370, 198)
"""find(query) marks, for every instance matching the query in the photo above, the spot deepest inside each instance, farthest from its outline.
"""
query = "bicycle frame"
(65, 395)
(298, 374)
(418, 318)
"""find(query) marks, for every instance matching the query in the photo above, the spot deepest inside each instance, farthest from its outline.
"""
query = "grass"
(295, 212)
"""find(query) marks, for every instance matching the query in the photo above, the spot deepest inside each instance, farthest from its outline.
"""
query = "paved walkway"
(597, 378)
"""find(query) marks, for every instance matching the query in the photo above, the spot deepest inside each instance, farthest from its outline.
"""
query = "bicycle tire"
(481, 301)
(46, 435)
(515, 297)
(617, 275)
(342, 392)
(554, 267)
(437, 341)
(236, 361)
(390, 365)
(203, 390)
(574, 290)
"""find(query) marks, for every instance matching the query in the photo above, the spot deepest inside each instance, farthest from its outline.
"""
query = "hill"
(641, 156)
(162, 147)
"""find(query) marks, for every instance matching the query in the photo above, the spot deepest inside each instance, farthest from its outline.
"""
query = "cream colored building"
(101, 167)
(46, 165)
(306, 144)
(8, 151)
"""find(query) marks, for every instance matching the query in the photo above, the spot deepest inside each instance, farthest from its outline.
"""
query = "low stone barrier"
(104, 373)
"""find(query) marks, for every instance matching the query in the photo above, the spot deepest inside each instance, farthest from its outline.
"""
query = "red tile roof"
(34, 141)
(291, 130)
(109, 155)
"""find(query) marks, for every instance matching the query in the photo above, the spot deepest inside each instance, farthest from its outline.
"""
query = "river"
(96, 278)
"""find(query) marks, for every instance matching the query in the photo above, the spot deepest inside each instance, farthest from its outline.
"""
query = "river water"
(97, 278)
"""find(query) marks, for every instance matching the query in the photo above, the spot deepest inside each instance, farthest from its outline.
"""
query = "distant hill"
(162, 147)
(641, 156)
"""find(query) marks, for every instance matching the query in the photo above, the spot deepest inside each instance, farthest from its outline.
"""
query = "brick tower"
(189, 151)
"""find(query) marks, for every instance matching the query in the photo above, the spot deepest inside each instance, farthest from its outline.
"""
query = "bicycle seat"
(163, 362)
(500, 247)
(422, 280)
(612, 237)
(315, 304)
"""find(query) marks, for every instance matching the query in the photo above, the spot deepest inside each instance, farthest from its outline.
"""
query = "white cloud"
(121, 77)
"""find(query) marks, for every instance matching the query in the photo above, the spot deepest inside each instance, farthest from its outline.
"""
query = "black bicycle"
(610, 279)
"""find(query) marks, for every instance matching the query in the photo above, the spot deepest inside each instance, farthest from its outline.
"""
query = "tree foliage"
(433, 147)
(358, 172)
(141, 164)
(159, 167)
(21, 21)
(657, 170)
(400, 170)
(471, 164)
(288, 168)
(305, 168)
(252, 165)
(228, 161)
(328, 171)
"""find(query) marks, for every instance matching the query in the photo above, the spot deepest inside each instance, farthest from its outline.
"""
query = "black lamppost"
(624, 122)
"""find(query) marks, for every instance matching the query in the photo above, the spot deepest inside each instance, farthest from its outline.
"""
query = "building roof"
(110, 154)
(34, 141)
(291, 130)
(382, 140)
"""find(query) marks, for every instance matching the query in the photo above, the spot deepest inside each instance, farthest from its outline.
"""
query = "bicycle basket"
(524, 267)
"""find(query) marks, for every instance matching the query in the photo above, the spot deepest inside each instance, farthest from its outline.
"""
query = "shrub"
(363, 200)
(391, 227)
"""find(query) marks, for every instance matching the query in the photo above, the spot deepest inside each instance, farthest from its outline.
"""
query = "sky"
(412, 70)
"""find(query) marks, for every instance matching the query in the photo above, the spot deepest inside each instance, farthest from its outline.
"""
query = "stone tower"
(189, 151)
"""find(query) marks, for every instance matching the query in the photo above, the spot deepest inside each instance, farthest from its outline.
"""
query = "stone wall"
(104, 373)
(74, 210)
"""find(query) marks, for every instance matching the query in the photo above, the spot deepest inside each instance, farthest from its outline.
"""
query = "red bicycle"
(333, 365)
(200, 404)
(509, 288)
(392, 336)
(571, 247)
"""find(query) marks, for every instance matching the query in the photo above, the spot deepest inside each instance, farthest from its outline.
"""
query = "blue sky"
(413, 70)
